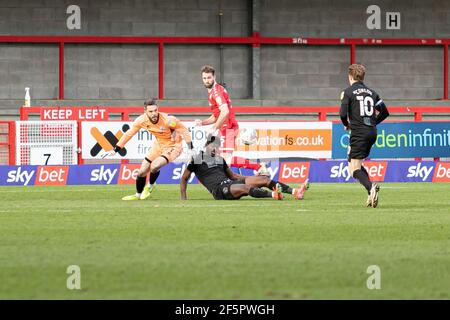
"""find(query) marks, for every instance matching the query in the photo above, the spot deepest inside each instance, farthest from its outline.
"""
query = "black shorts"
(361, 141)
(223, 192)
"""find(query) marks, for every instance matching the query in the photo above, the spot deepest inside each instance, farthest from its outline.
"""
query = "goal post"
(46, 142)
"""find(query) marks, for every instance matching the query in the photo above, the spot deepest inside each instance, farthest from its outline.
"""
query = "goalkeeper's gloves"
(112, 152)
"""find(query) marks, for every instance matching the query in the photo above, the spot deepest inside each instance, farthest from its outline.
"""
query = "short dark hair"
(210, 139)
(208, 69)
(151, 102)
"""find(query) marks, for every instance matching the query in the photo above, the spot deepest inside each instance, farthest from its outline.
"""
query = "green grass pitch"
(163, 248)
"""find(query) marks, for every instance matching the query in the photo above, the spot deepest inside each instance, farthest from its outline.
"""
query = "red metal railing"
(322, 112)
(255, 40)
(7, 139)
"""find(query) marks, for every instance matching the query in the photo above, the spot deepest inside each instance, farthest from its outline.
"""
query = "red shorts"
(229, 135)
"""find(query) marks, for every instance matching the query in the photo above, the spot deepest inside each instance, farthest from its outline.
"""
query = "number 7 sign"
(46, 156)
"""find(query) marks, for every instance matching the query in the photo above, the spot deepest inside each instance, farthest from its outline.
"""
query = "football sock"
(363, 178)
(140, 184)
(239, 162)
(284, 187)
(272, 184)
(259, 193)
(364, 170)
(153, 177)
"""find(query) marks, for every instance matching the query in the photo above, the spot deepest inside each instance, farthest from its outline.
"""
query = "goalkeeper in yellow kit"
(168, 131)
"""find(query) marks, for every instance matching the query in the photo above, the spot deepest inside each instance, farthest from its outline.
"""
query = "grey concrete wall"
(403, 72)
(104, 71)
(125, 17)
(182, 70)
(400, 72)
(28, 65)
(306, 18)
(289, 73)
(131, 71)
(397, 72)
(335, 19)
(123, 71)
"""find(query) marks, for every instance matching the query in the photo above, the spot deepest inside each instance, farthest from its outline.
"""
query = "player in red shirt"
(224, 121)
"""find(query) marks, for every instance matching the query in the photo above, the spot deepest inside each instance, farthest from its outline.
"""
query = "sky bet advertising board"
(287, 172)
(401, 140)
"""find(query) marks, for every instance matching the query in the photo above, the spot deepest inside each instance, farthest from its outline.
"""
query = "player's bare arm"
(127, 136)
(183, 131)
(224, 112)
(208, 121)
(123, 140)
(183, 183)
(232, 175)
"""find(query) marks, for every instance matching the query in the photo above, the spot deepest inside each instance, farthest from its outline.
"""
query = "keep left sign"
(74, 113)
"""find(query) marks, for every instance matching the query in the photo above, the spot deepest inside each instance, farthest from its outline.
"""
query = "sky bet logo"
(21, 176)
(128, 173)
(103, 175)
(296, 172)
(375, 169)
(419, 171)
(108, 140)
(442, 172)
(42, 176)
(52, 176)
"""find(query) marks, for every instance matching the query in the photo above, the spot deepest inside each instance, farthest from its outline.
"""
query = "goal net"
(46, 142)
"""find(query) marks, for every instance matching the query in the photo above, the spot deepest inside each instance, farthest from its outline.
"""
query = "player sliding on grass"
(224, 121)
(166, 148)
(213, 172)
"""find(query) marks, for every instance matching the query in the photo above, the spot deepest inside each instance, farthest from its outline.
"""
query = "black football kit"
(358, 105)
